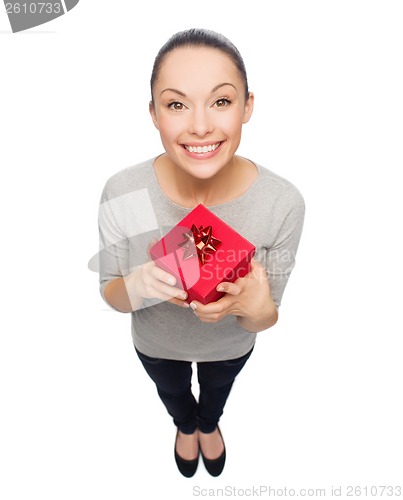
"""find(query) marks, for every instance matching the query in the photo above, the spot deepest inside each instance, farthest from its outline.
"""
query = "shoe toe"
(216, 466)
(187, 468)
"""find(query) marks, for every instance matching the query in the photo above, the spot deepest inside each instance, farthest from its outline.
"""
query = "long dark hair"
(195, 37)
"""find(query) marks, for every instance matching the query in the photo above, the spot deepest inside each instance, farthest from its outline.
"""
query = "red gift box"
(202, 251)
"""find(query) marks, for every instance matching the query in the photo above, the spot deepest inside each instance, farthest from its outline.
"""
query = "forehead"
(197, 69)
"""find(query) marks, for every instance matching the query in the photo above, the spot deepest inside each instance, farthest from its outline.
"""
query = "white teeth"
(202, 149)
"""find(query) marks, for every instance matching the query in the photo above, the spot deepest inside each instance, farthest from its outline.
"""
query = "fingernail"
(193, 306)
(171, 281)
(185, 304)
(220, 289)
(183, 295)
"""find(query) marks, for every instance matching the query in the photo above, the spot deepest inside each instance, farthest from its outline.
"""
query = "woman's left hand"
(247, 297)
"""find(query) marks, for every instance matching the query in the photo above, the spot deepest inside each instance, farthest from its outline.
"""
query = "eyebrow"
(212, 90)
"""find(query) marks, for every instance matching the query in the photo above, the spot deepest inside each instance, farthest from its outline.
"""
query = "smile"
(202, 149)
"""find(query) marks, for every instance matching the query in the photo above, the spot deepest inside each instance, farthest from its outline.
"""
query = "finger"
(229, 287)
(255, 265)
(194, 305)
(179, 302)
(169, 290)
(257, 271)
(208, 312)
(212, 308)
(157, 292)
(159, 274)
(157, 279)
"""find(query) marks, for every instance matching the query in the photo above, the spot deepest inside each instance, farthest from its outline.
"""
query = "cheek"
(230, 123)
(169, 128)
(231, 116)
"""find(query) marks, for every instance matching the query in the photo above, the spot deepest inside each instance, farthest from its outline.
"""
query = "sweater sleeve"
(281, 256)
(126, 223)
(113, 245)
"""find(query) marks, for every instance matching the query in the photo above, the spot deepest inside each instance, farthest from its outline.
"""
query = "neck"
(206, 191)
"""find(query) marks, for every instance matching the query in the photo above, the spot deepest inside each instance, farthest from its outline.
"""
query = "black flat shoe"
(187, 468)
(215, 467)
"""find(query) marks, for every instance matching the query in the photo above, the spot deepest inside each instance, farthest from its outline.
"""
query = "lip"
(201, 144)
(202, 156)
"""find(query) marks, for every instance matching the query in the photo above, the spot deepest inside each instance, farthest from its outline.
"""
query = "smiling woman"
(199, 106)
(200, 102)
(199, 114)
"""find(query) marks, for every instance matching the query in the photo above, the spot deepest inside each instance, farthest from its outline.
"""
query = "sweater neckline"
(226, 204)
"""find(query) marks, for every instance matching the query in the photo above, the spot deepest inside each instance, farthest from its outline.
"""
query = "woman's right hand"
(149, 281)
(152, 282)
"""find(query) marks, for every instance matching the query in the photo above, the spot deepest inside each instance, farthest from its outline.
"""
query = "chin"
(203, 172)
(213, 165)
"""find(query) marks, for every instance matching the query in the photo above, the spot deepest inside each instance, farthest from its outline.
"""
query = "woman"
(200, 102)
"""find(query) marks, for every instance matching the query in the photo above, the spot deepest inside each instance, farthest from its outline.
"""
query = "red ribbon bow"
(202, 239)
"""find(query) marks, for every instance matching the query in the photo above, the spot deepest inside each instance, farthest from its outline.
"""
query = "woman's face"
(199, 108)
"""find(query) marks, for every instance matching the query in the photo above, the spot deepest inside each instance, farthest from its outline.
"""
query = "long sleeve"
(113, 246)
(281, 256)
(126, 223)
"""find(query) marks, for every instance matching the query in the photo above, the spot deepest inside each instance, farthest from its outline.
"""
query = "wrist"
(131, 281)
(263, 321)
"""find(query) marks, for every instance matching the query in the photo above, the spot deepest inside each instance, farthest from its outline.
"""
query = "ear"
(248, 110)
(153, 114)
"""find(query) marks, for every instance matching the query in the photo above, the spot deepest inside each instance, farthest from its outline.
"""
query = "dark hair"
(195, 37)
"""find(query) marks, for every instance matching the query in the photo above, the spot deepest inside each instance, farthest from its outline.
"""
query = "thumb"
(256, 269)
(254, 264)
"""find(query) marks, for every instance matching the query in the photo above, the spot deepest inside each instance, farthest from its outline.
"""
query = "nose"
(200, 123)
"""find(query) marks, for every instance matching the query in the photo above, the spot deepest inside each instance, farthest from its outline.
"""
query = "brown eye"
(176, 106)
(221, 103)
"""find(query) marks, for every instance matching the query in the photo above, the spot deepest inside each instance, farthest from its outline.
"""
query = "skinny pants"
(173, 382)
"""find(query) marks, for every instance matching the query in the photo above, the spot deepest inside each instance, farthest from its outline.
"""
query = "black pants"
(173, 381)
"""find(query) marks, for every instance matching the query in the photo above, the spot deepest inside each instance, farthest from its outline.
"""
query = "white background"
(319, 403)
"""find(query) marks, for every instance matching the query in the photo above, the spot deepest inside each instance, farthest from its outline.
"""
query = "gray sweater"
(133, 209)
